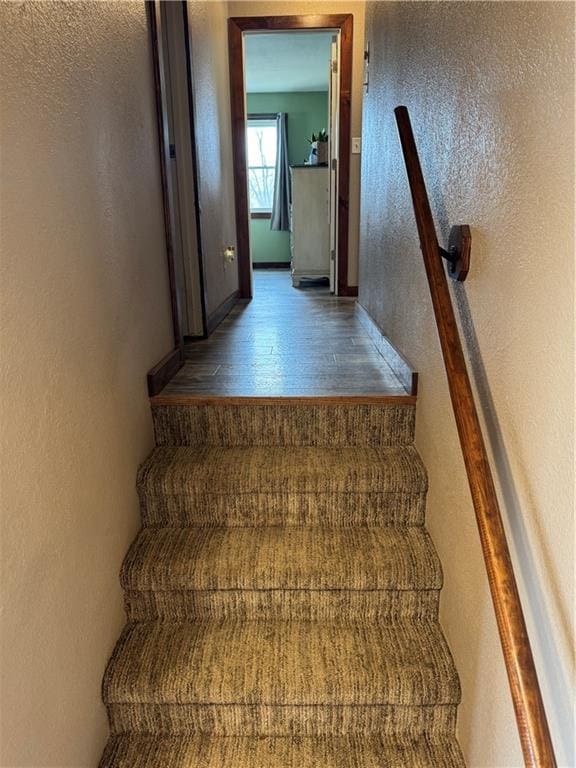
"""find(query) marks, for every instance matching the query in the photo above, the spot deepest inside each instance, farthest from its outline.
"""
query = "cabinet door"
(310, 222)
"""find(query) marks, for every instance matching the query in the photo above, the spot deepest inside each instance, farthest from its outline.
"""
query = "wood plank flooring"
(286, 342)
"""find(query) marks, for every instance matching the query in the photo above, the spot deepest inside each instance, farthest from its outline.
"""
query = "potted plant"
(318, 148)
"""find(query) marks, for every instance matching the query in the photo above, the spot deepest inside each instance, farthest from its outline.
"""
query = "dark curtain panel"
(280, 220)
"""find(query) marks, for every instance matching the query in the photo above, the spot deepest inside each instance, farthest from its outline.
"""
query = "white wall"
(490, 89)
(84, 312)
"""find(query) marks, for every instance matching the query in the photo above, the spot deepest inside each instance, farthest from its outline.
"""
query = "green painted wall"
(307, 113)
(266, 245)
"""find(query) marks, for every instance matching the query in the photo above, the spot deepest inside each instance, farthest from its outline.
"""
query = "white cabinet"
(310, 222)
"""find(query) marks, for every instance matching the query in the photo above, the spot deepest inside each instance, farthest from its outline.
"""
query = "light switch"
(356, 146)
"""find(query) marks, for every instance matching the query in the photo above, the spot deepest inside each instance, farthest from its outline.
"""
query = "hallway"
(286, 342)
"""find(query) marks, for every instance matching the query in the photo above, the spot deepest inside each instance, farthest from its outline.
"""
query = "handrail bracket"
(458, 253)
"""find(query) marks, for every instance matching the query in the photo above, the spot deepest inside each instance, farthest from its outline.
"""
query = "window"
(261, 150)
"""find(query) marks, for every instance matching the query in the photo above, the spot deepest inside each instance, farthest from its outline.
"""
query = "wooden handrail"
(530, 715)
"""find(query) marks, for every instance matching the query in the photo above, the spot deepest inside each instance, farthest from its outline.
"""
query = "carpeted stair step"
(281, 752)
(281, 678)
(290, 423)
(283, 485)
(281, 572)
(282, 595)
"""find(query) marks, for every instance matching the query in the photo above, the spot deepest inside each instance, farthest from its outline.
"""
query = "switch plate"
(356, 146)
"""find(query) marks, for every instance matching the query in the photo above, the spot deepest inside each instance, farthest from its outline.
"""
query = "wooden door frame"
(236, 27)
(154, 22)
(163, 371)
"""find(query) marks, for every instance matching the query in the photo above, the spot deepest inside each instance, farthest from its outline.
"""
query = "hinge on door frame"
(334, 164)
(334, 67)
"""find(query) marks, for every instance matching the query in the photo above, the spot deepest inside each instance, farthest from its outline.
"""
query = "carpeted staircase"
(282, 596)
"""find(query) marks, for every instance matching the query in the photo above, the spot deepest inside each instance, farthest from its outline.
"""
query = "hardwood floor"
(286, 342)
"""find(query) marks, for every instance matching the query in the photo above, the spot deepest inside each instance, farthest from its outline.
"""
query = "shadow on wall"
(552, 639)
(558, 678)
(475, 671)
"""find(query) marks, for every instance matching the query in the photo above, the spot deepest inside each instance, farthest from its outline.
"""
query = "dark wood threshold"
(163, 372)
(402, 369)
(304, 400)
(215, 318)
(270, 265)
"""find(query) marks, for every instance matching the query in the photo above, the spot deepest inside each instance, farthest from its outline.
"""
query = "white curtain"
(280, 220)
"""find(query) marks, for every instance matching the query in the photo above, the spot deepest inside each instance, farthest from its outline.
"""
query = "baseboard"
(402, 369)
(215, 318)
(270, 265)
(160, 375)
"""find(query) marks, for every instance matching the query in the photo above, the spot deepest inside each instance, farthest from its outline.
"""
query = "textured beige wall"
(490, 90)
(209, 43)
(84, 312)
(293, 8)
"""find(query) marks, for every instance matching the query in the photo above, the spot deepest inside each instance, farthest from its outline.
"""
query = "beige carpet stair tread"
(283, 423)
(282, 597)
(376, 605)
(277, 557)
(273, 469)
(288, 663)
(287, 752)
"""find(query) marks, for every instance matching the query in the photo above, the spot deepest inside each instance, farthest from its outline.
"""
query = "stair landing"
(287, 342)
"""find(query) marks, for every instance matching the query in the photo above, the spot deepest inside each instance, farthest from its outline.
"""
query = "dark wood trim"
(302, 21)
(216, 317)
(261, 214)
(239, 159)
(344, 148)
(270, 265)
(236, 27)
(153, 14)
(262, 115)
(328, 400)
(349, 290)
(195, 165)
(531, 719)
(403, 371)
(163, 372)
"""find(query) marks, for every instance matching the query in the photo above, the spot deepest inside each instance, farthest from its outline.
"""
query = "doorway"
(174, 102)
(292, 209)
(289, 137)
